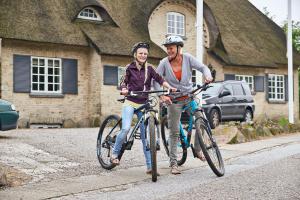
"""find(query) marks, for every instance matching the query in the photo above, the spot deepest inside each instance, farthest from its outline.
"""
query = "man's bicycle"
(111, 126)
(203, 133)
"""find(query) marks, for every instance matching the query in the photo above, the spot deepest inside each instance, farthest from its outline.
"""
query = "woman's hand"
(208, 79)
(124, 91)
(165, 99)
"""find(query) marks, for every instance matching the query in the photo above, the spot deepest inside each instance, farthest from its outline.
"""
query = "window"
(247, 79)
(175, 24)
(228, 87)
(113, 74)
(276, 87)
(90, 13)
(194, 76)
(237, 89)
(46, 75)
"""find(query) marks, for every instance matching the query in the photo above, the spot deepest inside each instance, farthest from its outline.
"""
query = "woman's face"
(172, 51)
(141, 55)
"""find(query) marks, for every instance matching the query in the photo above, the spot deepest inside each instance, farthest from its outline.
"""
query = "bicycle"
(206, 140)
(111, 126)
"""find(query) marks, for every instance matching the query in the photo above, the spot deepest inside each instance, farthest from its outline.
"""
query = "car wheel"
(248, 116)
(214, 118)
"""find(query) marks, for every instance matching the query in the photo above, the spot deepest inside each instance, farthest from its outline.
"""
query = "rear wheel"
(210, 148)
(153, 147)
(109, 129)
(181, 147)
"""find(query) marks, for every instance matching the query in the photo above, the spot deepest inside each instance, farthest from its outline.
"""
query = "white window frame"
(248, 79)
(175, 27)
(46, 75)
(90, 11)
(276, 87)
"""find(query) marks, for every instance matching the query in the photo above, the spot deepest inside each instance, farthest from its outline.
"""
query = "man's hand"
(166, 99)
(124, 91)
(208, 79)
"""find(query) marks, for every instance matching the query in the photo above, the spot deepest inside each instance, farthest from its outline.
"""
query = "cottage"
(61, 60)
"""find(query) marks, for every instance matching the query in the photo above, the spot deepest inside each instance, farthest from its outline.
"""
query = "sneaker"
(175, 170)
(201, 156)
(114, 160)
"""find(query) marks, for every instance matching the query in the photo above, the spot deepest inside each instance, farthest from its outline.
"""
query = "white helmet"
(173, 39)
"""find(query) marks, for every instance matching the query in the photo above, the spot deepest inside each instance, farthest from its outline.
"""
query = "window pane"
(56, 71)
(34, 86)
(56, 87)
(34, 78)
(50, 71)
(50, 87)
(42, 78)
(34, 70)
(42, 62)
(41, 87)
(50, 79)
(42, 70)
(56, 63)
(34, 61)
(56, 79)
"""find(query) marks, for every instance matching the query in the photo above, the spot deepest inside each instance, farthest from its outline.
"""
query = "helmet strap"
(176, 54)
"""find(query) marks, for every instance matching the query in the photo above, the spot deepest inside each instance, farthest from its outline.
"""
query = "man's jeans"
(174, 115)
(127, 115)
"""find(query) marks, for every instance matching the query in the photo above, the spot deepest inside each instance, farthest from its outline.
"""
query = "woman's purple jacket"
(134, 80)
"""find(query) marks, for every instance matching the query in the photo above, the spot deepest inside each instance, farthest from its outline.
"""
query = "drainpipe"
(290, 64)
(199, 44)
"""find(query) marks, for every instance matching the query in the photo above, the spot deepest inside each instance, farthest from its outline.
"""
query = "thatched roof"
(242, 35)
(248, 36)
(55, 22)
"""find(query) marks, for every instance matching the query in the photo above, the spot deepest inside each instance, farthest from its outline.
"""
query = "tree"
(295, 34)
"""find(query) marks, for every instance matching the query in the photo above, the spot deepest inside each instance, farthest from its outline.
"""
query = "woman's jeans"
(127, 115)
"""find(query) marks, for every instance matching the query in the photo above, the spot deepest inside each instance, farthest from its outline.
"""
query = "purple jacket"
(134, 80)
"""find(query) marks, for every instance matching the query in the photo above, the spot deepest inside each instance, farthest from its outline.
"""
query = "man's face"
(172, 51)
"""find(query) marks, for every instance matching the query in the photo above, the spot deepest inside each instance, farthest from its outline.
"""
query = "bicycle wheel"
(152, 135)
(210, 148)
(109, 129)
(181, 147)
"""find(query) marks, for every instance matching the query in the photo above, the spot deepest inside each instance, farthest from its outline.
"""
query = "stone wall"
(51, 110)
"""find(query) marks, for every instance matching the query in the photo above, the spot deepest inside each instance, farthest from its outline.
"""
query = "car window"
(246, 88)
(228, 87)
(237, 89)
(214, 90)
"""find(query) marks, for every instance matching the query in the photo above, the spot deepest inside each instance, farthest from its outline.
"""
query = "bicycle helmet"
(173, 39)
(139, 45)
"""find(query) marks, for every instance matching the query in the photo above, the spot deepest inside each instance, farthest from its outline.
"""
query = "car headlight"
(13, 107)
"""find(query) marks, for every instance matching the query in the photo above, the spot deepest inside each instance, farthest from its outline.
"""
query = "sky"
(278, 9)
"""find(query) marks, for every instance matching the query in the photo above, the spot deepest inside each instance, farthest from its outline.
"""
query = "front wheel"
(153, 148)
(210, 148)
(109, 129)
(181, 147)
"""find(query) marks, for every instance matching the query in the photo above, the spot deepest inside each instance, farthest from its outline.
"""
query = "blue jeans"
(127, 115)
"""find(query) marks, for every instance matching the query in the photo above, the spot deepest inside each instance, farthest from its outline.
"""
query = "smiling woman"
(8, 116)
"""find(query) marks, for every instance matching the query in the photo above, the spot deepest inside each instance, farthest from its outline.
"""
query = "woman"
(176, 69)
(138, 77)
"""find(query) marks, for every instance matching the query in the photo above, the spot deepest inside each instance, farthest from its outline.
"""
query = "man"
(176, 69)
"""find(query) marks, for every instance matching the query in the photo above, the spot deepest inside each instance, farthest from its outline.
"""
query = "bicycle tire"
(182, 155)
(153, 150)
(107, 142)
(211, 151)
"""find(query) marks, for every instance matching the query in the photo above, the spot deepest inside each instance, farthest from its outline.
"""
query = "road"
(65, 167)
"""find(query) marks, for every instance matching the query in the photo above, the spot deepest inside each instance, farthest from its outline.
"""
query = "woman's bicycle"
(203, 133)
(111, 126)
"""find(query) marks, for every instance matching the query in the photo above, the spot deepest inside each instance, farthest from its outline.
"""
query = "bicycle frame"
(191, 107)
